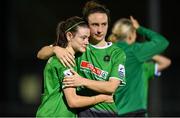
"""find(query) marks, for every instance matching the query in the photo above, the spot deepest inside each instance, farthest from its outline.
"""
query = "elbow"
(168, 62)
(40, 56)
(163, 44)
(73, 103)
(166, 43)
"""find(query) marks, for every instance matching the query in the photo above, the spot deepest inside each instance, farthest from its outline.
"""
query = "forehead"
(83, 30)
(98, 18)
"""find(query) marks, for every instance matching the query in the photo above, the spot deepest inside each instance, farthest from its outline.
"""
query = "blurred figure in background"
(132, 99)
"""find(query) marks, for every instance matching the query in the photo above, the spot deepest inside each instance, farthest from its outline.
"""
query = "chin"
(83, 50)
(99, 38)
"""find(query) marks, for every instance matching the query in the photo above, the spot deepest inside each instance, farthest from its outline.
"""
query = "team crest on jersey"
(121, 71)
(90, 67)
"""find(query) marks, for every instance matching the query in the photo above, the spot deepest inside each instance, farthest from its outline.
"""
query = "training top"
(130, 98)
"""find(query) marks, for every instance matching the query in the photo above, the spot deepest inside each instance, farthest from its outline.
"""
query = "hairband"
(74, 25)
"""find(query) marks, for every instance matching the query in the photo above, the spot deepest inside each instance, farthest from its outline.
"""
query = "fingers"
(69, 62)
(73, 72)
(68, 86)
(65, 57)
(68, 83)
(110, 99)
(68, 79)
(134, 22)
(131, 18)
(65, 62)
(70, 59)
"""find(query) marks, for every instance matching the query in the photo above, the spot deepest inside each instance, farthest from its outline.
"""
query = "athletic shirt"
(53, 103)
(101, 63)
(130, 98)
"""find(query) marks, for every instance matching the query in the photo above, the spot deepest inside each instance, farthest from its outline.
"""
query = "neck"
(128, 41)
(98, 43)
(70, 50)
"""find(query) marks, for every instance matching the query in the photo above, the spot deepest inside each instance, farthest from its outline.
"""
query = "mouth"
(99, 35)
(84, 47)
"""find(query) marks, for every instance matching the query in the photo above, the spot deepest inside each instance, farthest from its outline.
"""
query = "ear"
(69, 36)
(129, 37)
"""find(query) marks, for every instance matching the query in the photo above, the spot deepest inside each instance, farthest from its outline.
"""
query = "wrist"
(84, 82)
(95, 101)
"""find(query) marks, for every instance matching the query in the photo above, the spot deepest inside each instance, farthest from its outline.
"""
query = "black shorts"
(96, 113)
(138, 113)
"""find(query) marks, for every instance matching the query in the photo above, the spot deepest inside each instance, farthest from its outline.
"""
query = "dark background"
(28, 25)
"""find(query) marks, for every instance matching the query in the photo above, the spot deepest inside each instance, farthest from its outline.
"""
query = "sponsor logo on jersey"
(67, 73)
(121, 71)
(88, 66)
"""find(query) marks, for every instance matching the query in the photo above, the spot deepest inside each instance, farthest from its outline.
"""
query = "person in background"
(131, 99)
(57, 99)
(151, 69)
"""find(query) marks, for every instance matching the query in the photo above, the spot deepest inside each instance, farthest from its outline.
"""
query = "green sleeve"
(148, 70)
(57, 67)
(118, 69)
(146, 50)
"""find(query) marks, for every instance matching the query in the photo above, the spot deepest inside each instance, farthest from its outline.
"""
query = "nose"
(87, 41)
(99, 29)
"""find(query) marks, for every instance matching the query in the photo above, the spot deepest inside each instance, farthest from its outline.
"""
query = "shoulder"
(117, 49)
(54, 61)
(117, 52)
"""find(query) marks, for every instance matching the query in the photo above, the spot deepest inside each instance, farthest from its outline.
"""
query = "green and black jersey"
(101, 64)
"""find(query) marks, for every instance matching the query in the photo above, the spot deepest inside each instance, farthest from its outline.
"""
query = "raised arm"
(162, 61)
(156, 44)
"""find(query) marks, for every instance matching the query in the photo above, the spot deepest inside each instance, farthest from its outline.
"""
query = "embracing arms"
(76, 101)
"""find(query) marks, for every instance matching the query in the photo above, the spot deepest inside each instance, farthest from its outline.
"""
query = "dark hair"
(94, 7)
(70, 25)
